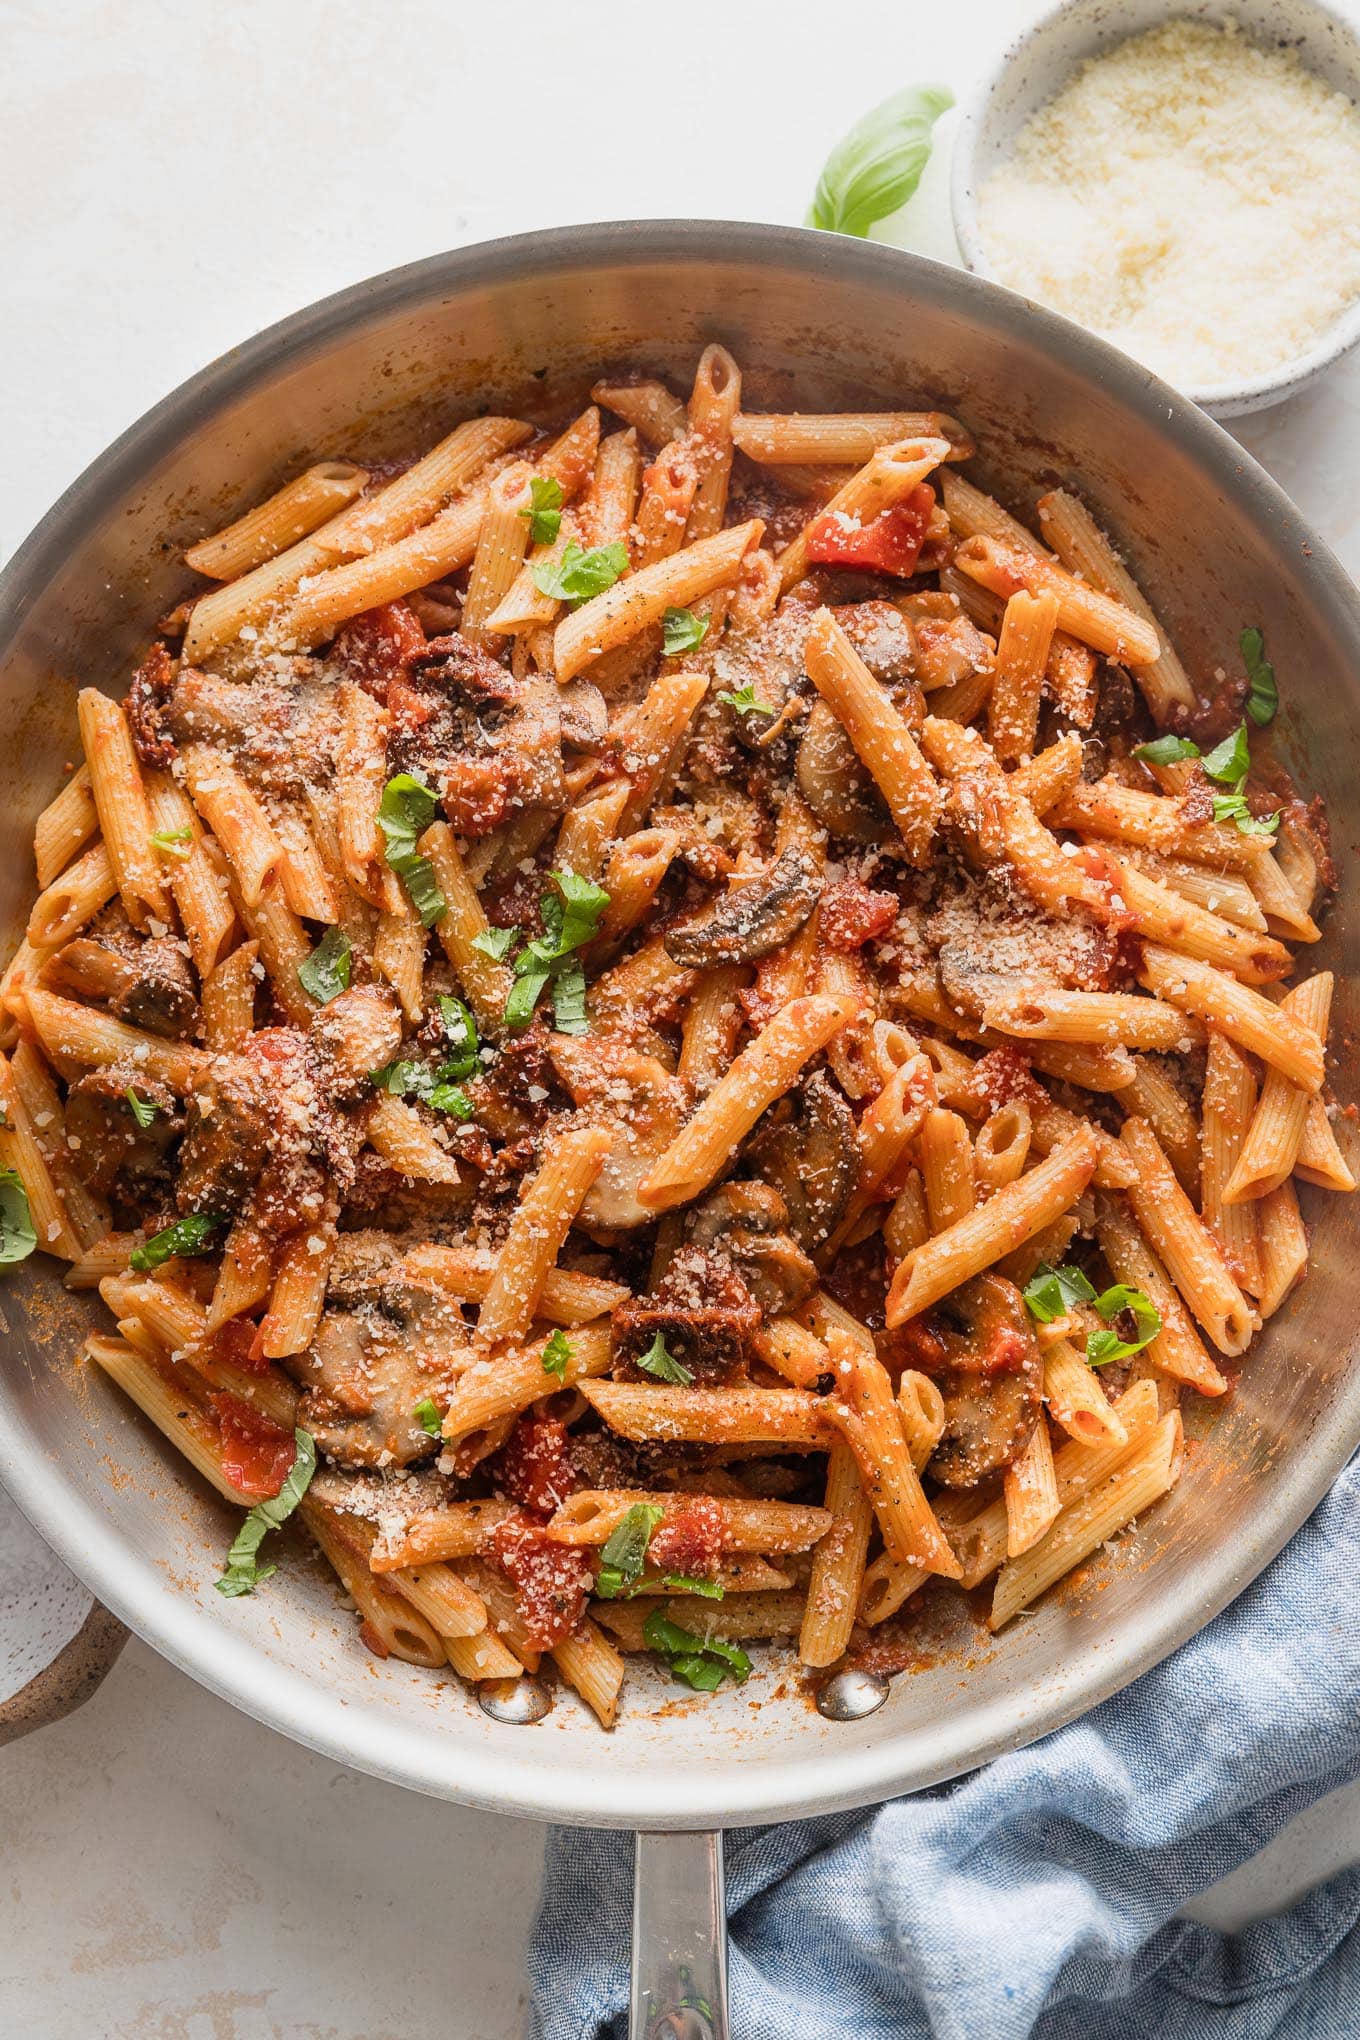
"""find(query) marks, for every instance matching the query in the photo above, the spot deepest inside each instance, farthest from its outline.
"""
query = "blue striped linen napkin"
(1039, 1896)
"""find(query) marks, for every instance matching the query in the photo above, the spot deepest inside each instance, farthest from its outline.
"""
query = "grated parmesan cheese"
(1191, 197)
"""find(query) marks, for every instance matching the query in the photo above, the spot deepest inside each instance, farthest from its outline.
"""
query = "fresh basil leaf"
(556, 1354)
(180, 1241)
(496, 943)
(426, 1414)
(524, 996)
(876, 167)
(1105, 1346)
(657, 1362)
(545, 509)
(625, 1551)
(569, 999)
(405, 811)
(325, 974)
(243, 1574)
(701, 1661)
(1230, 761)
(682, 631)
(1263, 699)
(460, 1031)
(17, 1235)
(688, 1583)
(453, 1099)
(743, 700)
(1166, 750)
(584, 902)
(1051, 1293)
(1232, 807)
(174, 842)
(402, 1079)
(142, 1110)
(578, 575)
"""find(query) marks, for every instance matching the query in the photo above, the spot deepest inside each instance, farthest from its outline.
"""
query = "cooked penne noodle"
(946, 1158)
(1320, 1159)
(486, 982)
(735, 1617)
(890, 475)
(642, 598)
(202, 898)
(592, 1515)
(71, 1033)
(1031, 1490)
(1151, 821)
(1267, 1155)
(841, 438)
(291, 513)
(120, 802)
(72, 900)
(1074, 1398)
(1107, 626)
(1229, 1107)
(567, 1297)
(878, 733)
(737, 1416)
(1283, 1245)
(65, 825)
(1083, 548)
(1284, 913)
(714, 402)
(501, 1384)
(396, 1131)
(1021, 658)
(1177, 1350)
(1162, 914)
(648, 406)
(837, 1576)
(543, 1217)
(861, 1406)
(1173, 1229)
(1154, 1097)
(1247, 1018)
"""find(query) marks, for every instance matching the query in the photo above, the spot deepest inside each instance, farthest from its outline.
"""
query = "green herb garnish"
(460, 1030)
(142, 1110)
(426, 1414)
(174, 842)
(544, 510)
(701, 1661)
(571, 918)
(556, 1354)
(743, 700)
(180, 1241)
(17, 1235)
(1263, 700)
(662, 1365)
(1232, 807)
(325, 974)
(876, 167)
(1230, 761)
(682, 631)
(1102, 1347)
(1051, 1293)
(405, 811)
(243, 1575)
(1167, 750)
(578, 575)
(496, 943)
(625, 1553)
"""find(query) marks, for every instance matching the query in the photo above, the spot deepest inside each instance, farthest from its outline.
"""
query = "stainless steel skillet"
(818, 320)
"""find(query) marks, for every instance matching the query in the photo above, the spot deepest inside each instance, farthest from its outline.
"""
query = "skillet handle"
(679, 1938)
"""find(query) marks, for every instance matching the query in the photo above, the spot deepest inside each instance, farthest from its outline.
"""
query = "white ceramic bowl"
(1038, 63)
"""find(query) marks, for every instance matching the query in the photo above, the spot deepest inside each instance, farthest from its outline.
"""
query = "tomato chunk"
(889, 544)
(377, 644)
(256, 1454)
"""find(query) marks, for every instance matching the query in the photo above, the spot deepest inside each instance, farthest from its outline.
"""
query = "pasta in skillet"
(673, 1029)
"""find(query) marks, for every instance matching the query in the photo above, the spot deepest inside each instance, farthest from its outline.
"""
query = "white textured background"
(175, 176)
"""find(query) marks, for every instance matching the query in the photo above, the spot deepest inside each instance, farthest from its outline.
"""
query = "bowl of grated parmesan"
(1183, 181)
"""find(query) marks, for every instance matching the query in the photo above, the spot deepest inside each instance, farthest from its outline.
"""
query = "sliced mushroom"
(703, 1310)
(108, 1145)
(833, 782)
(357, 1033)
(883, 635)
(973, 988)
(980, 1347)
(228, 1142)
(748, 1224)
(147, 983)
(584, 715)
(383, 1341)
(752, 920)
(644, 1103)
(807, 1148)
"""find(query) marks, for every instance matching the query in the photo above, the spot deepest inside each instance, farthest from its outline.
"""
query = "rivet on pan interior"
(852, 1695)
(515, 1701)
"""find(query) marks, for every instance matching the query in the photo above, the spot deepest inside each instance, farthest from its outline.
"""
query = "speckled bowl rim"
(1227, 399)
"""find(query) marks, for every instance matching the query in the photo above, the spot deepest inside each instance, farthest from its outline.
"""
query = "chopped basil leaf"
(1263, 700)
(876, 167)
(496, 943)
(1232, 807)
(1102, 1347)
(625, 1552)
(556, 1354)
(427, 1415)
(1167, 750)
(657, 1362)
(545, 509)
(687, 1583)
(174, 842)
(578, 575)
(701, 1661)
(1230, 761)
(1051, 1292)
(571, 917)
(460, 1030)
(569, 998)
(17, 1236)
(142, 1110)
(399, 1079)
(325, 974)
(743, 700)
(243, 1575)
(180, 1241)
(405, 811)
(453, 1099)
(681, 631)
